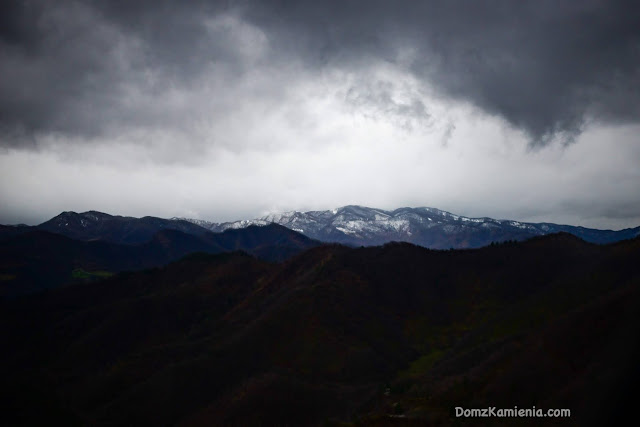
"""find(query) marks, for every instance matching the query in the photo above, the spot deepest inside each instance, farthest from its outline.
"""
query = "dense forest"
(396, 334)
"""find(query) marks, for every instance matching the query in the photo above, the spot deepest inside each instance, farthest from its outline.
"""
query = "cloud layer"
(237, 107)
(88, 68)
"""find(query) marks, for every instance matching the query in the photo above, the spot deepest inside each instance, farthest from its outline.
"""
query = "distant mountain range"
(428, 227)
(349, 225)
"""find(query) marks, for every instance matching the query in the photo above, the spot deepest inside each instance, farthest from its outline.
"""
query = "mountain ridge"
(429, 227)
(350, 225)
(93, 225)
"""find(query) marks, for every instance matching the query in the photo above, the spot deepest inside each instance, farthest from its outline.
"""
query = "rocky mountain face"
(428, 227)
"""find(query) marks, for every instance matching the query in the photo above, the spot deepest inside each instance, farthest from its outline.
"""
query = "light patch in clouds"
(385, 92)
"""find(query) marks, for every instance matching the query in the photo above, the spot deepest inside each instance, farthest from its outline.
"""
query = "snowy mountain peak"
(425, 226)
(353, 224)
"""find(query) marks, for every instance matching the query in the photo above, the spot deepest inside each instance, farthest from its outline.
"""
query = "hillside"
(35, 260)
(335, 335)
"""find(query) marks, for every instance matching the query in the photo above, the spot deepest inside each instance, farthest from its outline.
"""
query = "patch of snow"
(346, 230)
(465, 219)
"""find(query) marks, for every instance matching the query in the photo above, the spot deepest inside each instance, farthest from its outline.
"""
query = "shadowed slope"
(335, 333)
(37, 260)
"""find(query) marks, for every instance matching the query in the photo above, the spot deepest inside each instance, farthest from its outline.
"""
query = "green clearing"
(81, 274)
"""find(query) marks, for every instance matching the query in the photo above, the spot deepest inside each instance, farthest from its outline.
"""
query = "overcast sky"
(229, 110)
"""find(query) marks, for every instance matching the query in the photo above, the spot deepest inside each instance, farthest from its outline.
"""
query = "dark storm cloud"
(83, 68)
(546, 67)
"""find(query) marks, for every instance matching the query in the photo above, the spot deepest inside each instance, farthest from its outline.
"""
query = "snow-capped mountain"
(429, 227)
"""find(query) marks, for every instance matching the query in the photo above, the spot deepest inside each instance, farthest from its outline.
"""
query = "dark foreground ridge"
(390, 335)
(33, 260)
